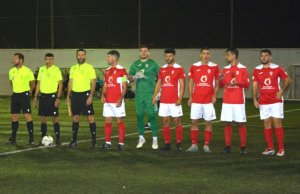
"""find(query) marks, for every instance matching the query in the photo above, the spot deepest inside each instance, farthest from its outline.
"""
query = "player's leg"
(227, 117)
(26, 110)
(150, 109)
(243, 137)
(75, 128)
(194, 136)
(107, 132)
(140, 115)
(121, 133)
(239, 116)
(92, 125)
(179, 133)
(166, 133)
(43, 120)
(268, 134)
(77, 104)
(209, 114)
(279, 132)
(56, 127)
(15, 110)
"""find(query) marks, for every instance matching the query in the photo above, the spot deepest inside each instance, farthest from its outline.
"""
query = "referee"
(47, 95)
(22, 81)
(81, 90)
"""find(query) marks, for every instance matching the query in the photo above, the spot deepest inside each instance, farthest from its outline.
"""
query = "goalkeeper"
(144, 71)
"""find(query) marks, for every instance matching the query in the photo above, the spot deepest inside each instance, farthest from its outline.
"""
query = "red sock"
(179, 134)
(269, 138)
(108, 131)
(280, 136)
(243, 136)
(167, 134)
(227, 135)
(194, 136)
(207, 137)
(122, 131)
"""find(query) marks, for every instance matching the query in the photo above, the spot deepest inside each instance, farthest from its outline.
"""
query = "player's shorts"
(47, 105)
(205, 111)
(20, 102)
(111, 110)
(233, 112)
(78, 103)
(166, 110)
(271, 110)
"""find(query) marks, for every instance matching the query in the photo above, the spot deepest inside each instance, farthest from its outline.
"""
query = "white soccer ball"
(47, 140)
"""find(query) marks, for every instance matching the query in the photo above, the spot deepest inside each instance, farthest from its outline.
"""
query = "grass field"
(83, 170)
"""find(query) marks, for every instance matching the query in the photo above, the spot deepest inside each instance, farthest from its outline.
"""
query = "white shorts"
(271, 110)
(205, 111)
(233, 112)
(166, 110)
(110, 110)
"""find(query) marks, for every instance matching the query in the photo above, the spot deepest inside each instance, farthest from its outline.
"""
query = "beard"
(264, 62)
(80, 61)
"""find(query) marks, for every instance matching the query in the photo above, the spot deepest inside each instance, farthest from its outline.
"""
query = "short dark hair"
(49, 55)
(204, 48)
(170, 50)
(20, 56)
(266, 51)
(81, 49)
(144, 46)
(114, 53)
(235, 51)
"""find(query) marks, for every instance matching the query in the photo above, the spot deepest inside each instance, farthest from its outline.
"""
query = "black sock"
(75, 127)
(56, 130)
(14, 127)
(93, 130)
(30, 129)
(43, 129)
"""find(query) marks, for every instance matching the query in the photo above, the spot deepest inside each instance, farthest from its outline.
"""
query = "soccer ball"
(47, 140)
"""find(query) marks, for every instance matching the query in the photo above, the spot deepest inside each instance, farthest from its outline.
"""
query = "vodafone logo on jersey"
(110, 79)
(203, 78)
(267, 81)
(167, 79)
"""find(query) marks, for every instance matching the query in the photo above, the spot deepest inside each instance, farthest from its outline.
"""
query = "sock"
(280, 137)
(121, 132)
(56, 130)
(108, 132)
(154, 139)
(167, 134)
(194, 136)
(140, 121)
(243, 136)
(227, 135)
(153, 124)
(179, 134)
(14, 127)
(207, 137)
(93, 130)
(269, 138)
(75, 127)
(43, 129)
(141, 137)
(30, 129)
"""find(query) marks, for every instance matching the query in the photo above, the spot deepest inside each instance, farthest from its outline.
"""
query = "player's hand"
(57, 103)
(233, 82)
(103, 100)
(279, 94)
(119, 103)
(255, 103)
(154, 102)
(221, 77)
(178, 102)
(190, 102)
(214, 99)
(35, 101)
(89, 101)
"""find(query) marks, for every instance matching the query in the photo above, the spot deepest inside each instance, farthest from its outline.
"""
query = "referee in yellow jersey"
(81, 90)
(48, 94)
(22, 81)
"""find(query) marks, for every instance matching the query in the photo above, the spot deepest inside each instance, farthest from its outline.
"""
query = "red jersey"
(234, 94)
(204, 77)
(113, 79)
(268, 79)
(170, 76)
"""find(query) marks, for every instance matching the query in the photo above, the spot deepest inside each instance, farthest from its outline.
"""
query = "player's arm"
(245, 83)
(131, 74)
(70, 85)
(89, 101)
(216, 91)
(32, 85)
(103, 95)
(37, 92)
(124, 90)
(181, 92)
(59, 93)
(286, 84)
(190, 87)
(157, 89)
(254, 93)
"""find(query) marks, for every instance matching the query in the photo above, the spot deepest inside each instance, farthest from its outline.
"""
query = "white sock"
(108, 142)
(121, 143)
(155, 139)
(141, 137)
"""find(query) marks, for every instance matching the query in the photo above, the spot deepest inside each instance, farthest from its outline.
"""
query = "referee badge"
(147, 65)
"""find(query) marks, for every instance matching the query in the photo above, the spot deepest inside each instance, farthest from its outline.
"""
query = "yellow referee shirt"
(20, 78)
(81, 76)
(49, 78)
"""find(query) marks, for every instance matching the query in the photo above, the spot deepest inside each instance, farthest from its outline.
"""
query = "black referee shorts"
(47, 105)
(20, 102)
(78, 103)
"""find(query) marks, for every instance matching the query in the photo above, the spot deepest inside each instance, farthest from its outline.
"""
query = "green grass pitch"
(83, 170)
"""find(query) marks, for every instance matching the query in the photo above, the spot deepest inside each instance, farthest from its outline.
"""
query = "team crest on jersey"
(208, 71)
(167, 79)
(203, 78)
(146, 65)
(115, 71)
(172, 71)
(267, 81)
(271, 72)
(237, 73)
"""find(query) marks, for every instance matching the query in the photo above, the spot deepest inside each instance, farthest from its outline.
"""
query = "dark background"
(164, 23)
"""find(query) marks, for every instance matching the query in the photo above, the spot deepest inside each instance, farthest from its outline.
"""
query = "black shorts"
(47, 105)
(20, 102)
(78, 103)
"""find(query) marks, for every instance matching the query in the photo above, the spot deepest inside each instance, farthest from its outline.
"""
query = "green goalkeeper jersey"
(145, 86)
